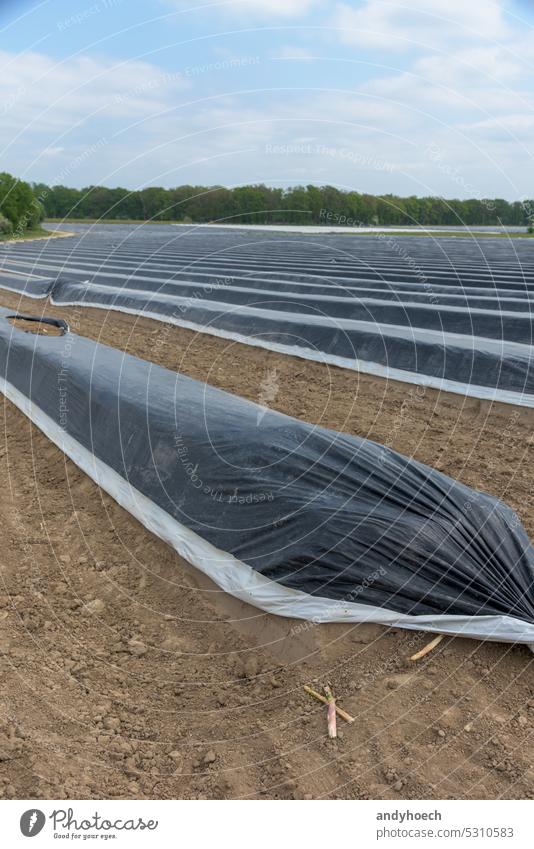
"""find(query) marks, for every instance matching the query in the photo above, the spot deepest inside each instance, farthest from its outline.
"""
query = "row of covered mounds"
(293, 517)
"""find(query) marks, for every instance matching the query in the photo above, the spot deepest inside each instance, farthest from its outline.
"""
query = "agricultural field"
(128, 672)
(441, 312)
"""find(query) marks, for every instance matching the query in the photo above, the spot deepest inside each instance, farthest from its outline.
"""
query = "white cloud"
(37, 91)
(253, 8)
(282, 8)
(62, 117)
(480, 65)
(408, 24)
(53, 151)
(513, 122)
(293, 52)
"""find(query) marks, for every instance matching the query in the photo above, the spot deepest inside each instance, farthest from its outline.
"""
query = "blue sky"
(411, 97)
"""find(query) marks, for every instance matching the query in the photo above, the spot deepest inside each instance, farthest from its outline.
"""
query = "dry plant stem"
(331, 712)
(428, 648)
(340, 712)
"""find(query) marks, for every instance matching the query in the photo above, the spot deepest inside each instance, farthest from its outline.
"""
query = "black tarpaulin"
(293, 517)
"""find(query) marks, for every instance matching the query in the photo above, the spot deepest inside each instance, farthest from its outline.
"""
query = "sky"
(418, 97)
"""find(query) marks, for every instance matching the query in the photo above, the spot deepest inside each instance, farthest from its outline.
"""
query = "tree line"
(262, 204)
(255, 204)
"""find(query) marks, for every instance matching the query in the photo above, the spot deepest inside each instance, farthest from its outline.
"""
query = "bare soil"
(125, 674)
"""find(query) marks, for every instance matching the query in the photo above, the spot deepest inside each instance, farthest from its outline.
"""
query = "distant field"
(67, 221)
(454, 314)
(464, 232)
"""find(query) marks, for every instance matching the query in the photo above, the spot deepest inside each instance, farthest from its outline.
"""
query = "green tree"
(18, 203)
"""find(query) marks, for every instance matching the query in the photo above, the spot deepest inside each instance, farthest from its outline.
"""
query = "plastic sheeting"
(501, 366)
(451, 314)
(294, 518)
(29, 285)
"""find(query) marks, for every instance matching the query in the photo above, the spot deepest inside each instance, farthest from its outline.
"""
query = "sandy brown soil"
(124, 674)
